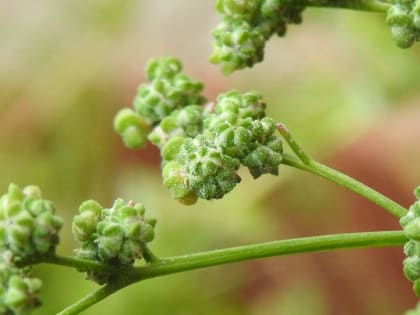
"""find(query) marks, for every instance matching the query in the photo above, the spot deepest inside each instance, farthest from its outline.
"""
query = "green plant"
(202, 147)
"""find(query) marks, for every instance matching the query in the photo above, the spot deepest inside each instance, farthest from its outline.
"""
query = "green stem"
(235, 254)
(92, 299)
(149, 256)
(277, 248)
(284, 131)
(77, 263)
(363, 5)
(348, 182)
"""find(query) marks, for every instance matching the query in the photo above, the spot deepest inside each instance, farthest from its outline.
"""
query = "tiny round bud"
(403, 36)
(412, 229)
(417, 192)
(411, 268)
(131, 127)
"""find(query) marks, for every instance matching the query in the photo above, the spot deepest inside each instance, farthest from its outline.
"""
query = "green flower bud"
(416, 288)
(131, 127)
(398, 16)
(32, 191)
(28, 225)
(115, 236)
(417, 194)
(412, 229)
(168, 90)
(411, 268)
(166, 67)
(410, 248)
(263, 160)
(110, 240)
(84, 224)
(170, 150)
(403, 36)
(174, 178)
(238, 8)
(246, 105)
(19, 294)
(236, 45)
(208, 171)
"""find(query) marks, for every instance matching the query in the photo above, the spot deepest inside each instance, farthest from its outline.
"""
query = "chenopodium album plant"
(202, 145)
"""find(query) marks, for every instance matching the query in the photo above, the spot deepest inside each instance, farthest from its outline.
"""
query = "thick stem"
(235, 254)
(347, 182)
(276, 248)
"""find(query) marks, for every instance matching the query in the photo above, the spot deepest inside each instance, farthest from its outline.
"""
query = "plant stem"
(269, 249)
(347, 182)
(77, 263)
(149, 256)
(363, 5)
(284, 131)
(235, 254)
(92, 299)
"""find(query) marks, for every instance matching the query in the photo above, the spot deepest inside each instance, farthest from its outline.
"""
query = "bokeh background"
(338, 81)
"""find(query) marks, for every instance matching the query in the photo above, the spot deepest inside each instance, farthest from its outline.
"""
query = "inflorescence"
(404, 18)
(246, 26)
(28, 231)
(202, 146)
(115, 236)
(411, 225)
(239, 39)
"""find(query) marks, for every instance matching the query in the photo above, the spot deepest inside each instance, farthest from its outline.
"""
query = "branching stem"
(92, 299)
(362, 5)
(347, 182)
(247, 252)
(297, 149)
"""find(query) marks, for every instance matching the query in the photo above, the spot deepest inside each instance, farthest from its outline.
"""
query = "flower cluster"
(202, 147)
(115, 236)
(235, 133)
(404, 18)
(28, 230)
(239, 39)
(168, 89)
(28, 225)
(18, 292)
(411, 225)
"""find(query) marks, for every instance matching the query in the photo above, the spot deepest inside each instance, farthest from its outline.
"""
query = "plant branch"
(92, 298)
(285, 133)
(235, 254)
(347, 182)
(149, 256)
(276, 248)
(363, 5)
(73, 262)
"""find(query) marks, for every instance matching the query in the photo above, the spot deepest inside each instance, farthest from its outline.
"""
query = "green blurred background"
(338, 81)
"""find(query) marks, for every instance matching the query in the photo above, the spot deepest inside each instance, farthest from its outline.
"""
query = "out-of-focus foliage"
(66, 67)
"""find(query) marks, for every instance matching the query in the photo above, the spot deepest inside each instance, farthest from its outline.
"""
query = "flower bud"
(28, 225)
(131, 127)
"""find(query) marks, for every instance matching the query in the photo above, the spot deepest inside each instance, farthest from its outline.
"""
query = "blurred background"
(348, 94)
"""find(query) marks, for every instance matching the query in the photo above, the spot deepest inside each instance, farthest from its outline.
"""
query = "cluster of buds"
(411, 225)
(28, 231)
(404, 18)
(169, 89)
(202, 147)
(239, 39)
(18, 292)
(28, 225)
(115, 236)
